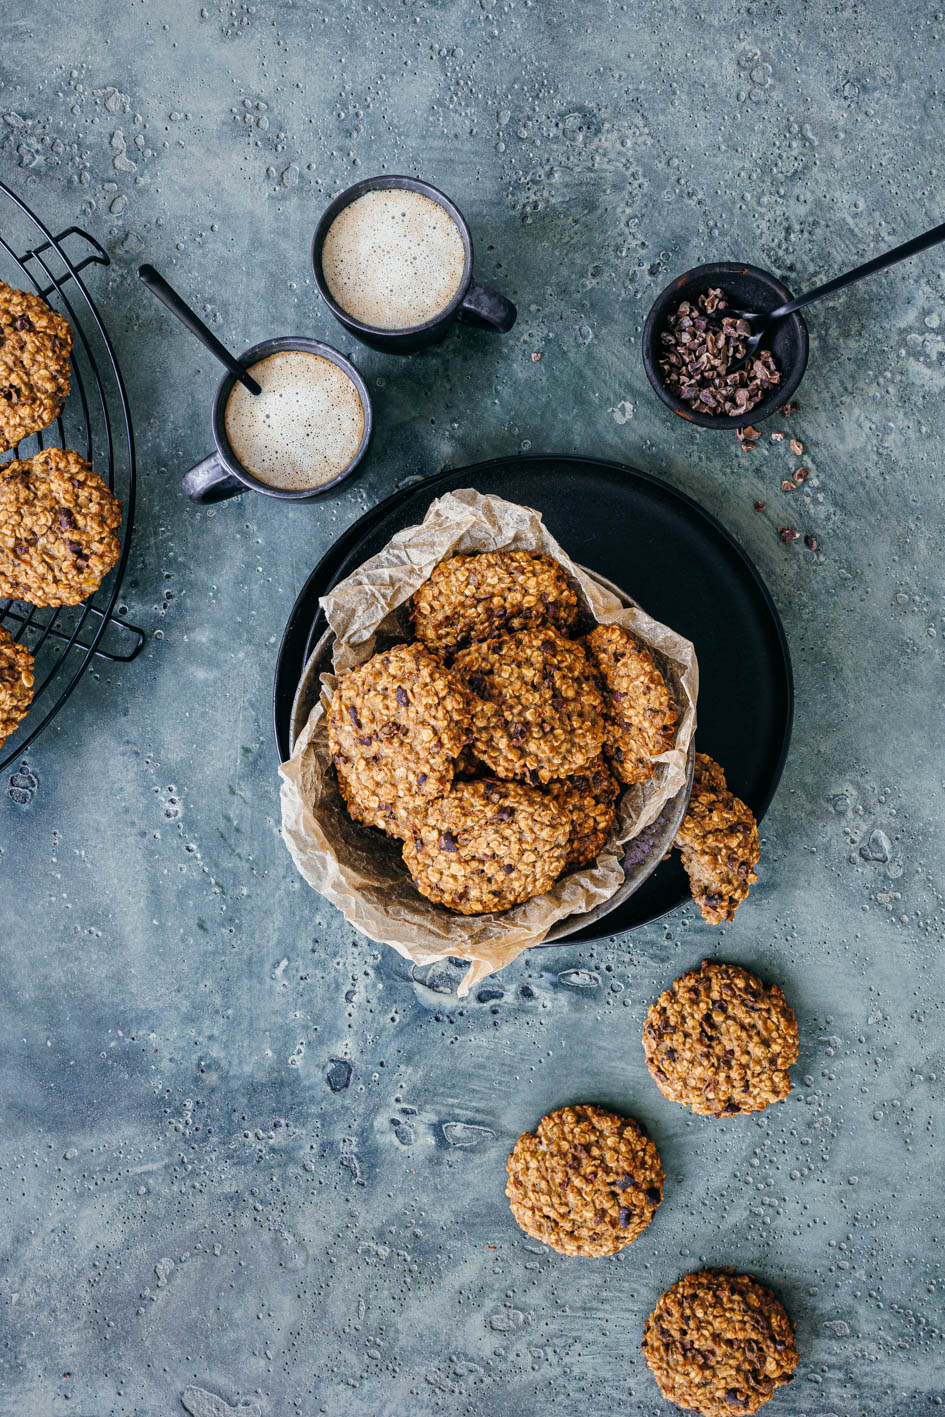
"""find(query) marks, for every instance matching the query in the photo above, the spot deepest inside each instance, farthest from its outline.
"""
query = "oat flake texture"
(585, 1182)
(719, 1344)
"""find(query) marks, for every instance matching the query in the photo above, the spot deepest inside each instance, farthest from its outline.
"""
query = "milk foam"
(393, 259)
(305, 426)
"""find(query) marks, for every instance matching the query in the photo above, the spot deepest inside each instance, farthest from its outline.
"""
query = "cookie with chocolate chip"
(35, 344)
(58, 529)
(396, 726)
(639, 714)
(486, 845)
(537, 710)
(585, 1182)
(721, 1042)
(719, 1344)
(478, 597)
(718, 842)
(16, 683)
(590, 798)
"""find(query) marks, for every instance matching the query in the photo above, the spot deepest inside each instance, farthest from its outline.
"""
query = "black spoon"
(759, 325)
(169, 297)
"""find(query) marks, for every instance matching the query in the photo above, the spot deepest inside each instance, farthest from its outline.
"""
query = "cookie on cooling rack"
(721, 1042)
(58, 529)
(719, 1344)
(16, 683)
(486, 845)
(396, 726)
(537, 712)
(471, 598)
(589, 797)
(639, 713)
(585, 1182)
(35, 344)
(718, 842)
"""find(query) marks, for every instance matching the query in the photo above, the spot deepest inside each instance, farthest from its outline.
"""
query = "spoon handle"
(878, 263)
(169, 297)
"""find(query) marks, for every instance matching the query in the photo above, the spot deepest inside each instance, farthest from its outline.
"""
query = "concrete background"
(194, 1217)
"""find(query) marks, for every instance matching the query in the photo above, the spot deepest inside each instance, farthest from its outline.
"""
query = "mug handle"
(211, 481)
(486, 309)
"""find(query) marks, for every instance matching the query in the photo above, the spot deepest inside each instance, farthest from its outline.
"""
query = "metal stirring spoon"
(179, 307)
(760, 324)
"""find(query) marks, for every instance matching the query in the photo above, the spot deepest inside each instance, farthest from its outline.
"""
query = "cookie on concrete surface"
(718, 840)
(721, 1042)
(486, 845)
(478, 597)
(585, 1182)
(35, 344)
(395, 728)
(58, 529)
(16, 683)
(639, 714)
(537, 710)
(590, 799)
(719, 1344)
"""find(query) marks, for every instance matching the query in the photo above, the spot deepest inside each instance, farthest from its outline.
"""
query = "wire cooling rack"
(96, 423)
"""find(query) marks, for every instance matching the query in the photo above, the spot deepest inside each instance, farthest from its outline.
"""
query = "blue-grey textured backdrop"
(196, 1209)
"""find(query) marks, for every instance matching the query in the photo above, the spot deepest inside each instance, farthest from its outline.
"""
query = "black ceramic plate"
(669, 554)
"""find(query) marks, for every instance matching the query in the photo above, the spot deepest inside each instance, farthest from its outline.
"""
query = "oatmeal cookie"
(486, 845)
(35, 344)
(497, 592)
(16, 683)
(590, 799)
(721, 1042)
(718, 840)
(58, 529)
(639, 714)
(537, 710)
(395, 728)
(585, 1182)
(719, 1343)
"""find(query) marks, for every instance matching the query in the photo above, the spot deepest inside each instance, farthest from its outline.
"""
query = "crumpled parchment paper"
(360, 871)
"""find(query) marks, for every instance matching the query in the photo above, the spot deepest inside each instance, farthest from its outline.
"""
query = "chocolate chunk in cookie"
(395, 728)
(590, 798)
(537, 709)
(718, 840)
(35, 344)
(585, 1182)
(16, 683)
(478, 597)
(719, 1344)
(58, 529)
(639, 713)
(486, 845)
(721, 1042)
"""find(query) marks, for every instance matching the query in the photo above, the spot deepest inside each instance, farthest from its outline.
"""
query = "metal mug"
(473, 304)
(222, 475)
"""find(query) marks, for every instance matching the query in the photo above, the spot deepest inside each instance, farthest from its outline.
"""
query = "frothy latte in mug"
(393, 258)
(305, 426)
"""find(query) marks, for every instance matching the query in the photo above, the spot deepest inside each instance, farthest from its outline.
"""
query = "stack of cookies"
(495, 747)
(58, 520)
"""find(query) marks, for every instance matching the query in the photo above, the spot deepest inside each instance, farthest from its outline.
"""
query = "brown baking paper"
(361, 872)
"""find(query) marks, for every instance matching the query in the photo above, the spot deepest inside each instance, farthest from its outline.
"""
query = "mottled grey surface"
(252, 1163)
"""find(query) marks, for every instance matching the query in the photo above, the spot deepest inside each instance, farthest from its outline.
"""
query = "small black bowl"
(745, 288)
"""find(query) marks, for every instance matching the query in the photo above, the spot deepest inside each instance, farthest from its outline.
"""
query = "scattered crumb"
(796, 446)
(760, 506)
